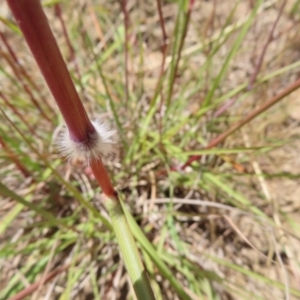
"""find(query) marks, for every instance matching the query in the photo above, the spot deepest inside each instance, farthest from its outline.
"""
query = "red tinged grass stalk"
(35, 28)
(264, 49)
(103, 179)
(20, 67)
(253, 114)
(20, 115)
(18, 74)
(14, 158)
(30, 289)
(84, 139)
(72, 55)
(34, 25)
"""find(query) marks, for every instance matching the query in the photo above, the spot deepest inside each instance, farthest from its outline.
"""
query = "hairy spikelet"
(102, 144)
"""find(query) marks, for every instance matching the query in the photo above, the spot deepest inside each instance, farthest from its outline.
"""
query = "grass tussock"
(204, 96)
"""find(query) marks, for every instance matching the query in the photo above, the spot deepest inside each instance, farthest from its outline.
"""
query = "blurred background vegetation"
(172, 77)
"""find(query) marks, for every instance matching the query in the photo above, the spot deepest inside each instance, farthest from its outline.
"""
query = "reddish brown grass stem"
(256, 112)
(14, 158)
(162, 24)
(23, 72)
(39, 37)
(58, 13)
(33, 287)
(264, 50)
(103, 179)
(34, 25)
(26, 88)
(17, 113)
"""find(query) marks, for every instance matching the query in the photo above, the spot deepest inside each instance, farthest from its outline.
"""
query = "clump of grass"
(82, 139)
(200, 93)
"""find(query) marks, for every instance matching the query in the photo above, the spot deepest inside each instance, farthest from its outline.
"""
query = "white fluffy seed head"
(102, 144)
